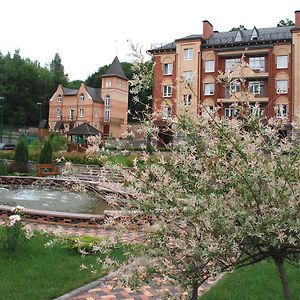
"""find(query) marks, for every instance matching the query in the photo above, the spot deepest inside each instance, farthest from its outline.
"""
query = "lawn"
(36, 272)
(258, 282)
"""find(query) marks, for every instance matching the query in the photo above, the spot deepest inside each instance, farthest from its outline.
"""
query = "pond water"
(45, 198)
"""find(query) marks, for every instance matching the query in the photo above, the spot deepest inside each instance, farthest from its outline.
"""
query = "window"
(188, 54)
(257, 63)
(108, 83)
(256, 87)
(59, 97)
(282, 61)
(254, 35)
(188, 75)
(168, 68)
(231, 112)
(107, 109)
(256, 110)
(167, 91)
(282, 110)
(233, 87)
(231, 63)
(167, 112)
(209, 66)
(238, 36)
(187, 99)
(97, 113)
(207, 111)
(81, 97)
(58, 113)
(72, 114)
(209, 89)
(282, 86)
(81, 112)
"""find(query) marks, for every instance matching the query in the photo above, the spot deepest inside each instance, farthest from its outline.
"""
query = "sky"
(89, 34)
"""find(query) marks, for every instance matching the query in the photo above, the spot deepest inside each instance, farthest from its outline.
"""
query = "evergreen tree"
(46, 155)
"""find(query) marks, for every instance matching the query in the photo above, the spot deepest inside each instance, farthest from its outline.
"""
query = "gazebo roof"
(83, 129)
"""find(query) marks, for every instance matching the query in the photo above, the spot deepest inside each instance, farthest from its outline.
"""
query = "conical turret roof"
(115, 69)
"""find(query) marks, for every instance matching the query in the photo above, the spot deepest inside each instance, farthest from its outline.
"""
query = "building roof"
(69, 92)
(83, 129)
(229, 38)
(115, 69)
(95, 93)
(59, 126)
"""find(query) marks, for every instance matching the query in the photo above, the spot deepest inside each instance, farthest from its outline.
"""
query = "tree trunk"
(283, 278)
(195, 291)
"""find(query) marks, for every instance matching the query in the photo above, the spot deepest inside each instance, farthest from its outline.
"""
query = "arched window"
(81, 97)
(59, 97)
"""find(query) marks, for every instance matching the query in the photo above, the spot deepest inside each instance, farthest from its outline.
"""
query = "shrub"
(46, 155)
(58, 142)
(3, 170)
(21, 153)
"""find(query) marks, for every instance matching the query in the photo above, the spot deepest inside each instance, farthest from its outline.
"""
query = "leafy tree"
(285, 22)
(240, 27)
(46, 155)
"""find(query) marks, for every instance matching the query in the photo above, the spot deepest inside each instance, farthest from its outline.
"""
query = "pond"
(52, 199)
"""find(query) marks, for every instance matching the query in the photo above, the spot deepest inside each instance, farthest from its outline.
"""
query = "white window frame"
(233, 87)
(188, 75)
(209, 66)
(187, 99)
(107, 108)
(81, 112)
(58, 113)
(282, 86)
(188, 54)
(59, 98)
(168, 69)
(282, 110)
(97, 113)
(209, 89)
(255, 87)
(207, 110)
(81, 97)
(282, 61)
(231, 63)
(108, 83)
(167, 91)
(231, 112)
(257, 63)
(167, 112)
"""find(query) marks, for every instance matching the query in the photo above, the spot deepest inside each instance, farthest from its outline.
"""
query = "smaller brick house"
(103, 108)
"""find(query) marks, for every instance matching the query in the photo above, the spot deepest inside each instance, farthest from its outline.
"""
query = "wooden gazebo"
(77, 137)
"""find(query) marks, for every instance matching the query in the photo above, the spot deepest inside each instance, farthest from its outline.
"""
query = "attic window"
(81, 97)
(59, 98)
(238, 36)
(254, 35)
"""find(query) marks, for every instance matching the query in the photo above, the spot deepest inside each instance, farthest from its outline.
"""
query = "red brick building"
(103, 108)
(272, 74)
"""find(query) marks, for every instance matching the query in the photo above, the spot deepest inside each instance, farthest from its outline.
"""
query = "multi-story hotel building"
(272, 73)
(103, 108)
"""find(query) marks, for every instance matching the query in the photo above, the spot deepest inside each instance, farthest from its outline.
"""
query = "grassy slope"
(258, 282)
(36, 272)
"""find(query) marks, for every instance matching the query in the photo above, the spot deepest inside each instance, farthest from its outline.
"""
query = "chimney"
(208, 29)
(297, 18)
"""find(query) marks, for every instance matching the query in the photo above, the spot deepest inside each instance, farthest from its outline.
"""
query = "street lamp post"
(40, 113)
(1, 117)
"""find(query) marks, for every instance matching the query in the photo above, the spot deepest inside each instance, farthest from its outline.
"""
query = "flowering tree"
(226, 197)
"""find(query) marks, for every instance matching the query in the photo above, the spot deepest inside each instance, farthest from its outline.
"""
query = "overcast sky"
(88, 34)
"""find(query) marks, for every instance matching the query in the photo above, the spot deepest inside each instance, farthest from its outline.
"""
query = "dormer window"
(238, 36)
(81, 97)
(254, 35)
(59, 97)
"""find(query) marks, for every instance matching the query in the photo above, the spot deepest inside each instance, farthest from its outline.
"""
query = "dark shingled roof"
(95, 93)
(69, 92)
(59, 126)
(115, 69)
(83, 129)
(228, 38)
(264, 35)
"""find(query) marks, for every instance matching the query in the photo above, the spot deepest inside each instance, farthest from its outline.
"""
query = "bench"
(46, 170)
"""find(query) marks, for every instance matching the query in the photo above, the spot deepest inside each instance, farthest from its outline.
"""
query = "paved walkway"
(106, 288)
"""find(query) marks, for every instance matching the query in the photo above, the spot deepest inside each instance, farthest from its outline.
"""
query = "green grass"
(36, 272)
(257, 282)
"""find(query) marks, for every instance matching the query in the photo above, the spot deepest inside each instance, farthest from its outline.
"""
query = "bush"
(58, 142)
(46, 155)
(21, 153)
(3, 170)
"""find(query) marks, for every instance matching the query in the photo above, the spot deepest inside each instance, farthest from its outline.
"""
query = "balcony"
(239, 96)
(112, 121)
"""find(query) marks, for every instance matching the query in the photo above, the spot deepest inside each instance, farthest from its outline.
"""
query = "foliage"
(46, 155)
(21, 155)
(240, 27)
(285, 22)
(14, 235)
(3, 170)
(58, 142)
